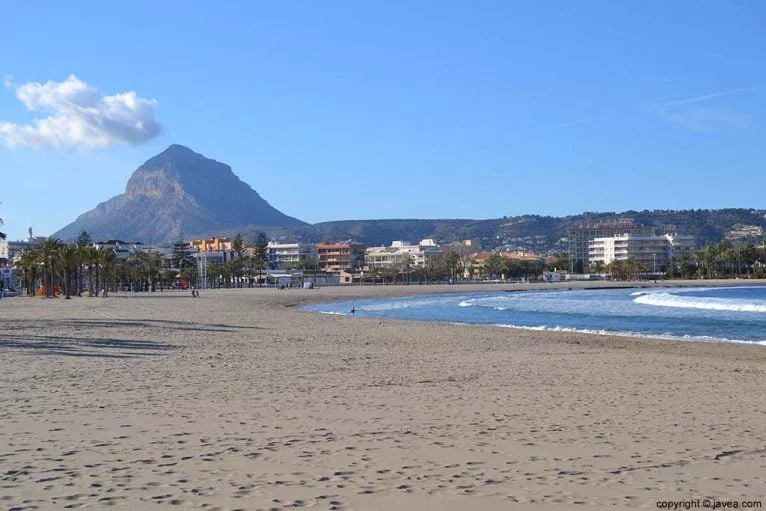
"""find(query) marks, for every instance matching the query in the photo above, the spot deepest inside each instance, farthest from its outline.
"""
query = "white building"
(122, 249)
(401, 255)
(281, 255)
(681, 245)
(654, 251)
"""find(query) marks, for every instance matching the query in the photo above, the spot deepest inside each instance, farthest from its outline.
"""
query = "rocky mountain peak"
(178, 190)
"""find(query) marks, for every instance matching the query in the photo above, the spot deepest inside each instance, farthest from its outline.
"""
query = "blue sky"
(340, 110)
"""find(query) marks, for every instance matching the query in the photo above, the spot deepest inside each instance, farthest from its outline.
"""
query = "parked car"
(9, 292)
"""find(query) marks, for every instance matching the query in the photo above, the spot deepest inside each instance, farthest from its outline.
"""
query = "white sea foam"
(665, 299)
(408, 304)
(702, 338)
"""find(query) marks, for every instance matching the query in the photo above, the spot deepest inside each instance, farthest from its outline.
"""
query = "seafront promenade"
(240, 400)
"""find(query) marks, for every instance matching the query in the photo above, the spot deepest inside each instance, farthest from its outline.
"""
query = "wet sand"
(239, 400)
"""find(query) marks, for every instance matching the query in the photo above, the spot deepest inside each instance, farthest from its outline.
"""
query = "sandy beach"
(240, 400)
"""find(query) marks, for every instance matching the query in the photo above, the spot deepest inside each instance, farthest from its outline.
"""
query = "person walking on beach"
(353, 311)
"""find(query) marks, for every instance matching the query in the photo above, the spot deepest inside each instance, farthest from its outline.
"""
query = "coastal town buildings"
(580, 237)
(121, 249)
(286, 255)
(475, 264)
(655, 252)
(463, 247)
(212, 245)
(401, 255)
(213, 250)
(339, 256)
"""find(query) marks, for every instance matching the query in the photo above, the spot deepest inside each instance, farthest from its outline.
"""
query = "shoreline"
(535, 287)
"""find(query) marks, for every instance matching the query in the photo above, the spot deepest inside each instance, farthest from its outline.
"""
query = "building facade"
(284, 255)
(463, 248)
(212, 245)
(681, 245)
(580, 237)
(401, 255)
(339, 256)
(654, 252)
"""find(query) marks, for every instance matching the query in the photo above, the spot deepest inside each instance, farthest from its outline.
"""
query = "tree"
(495, 265)
(407, 267)
(238, 245)
(153, 269)
(90, 258)
(50, 257)
(83, 242)
(261, 254)
(29, 263)
(307, 262)
(107, 258)
(453, 264)
(69, 257)
(181, 257)
(2, 234)
(562, 264)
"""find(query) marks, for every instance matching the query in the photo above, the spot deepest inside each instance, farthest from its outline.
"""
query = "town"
(615, 251)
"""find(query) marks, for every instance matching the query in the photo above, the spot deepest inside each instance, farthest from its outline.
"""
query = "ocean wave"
(665, 299)
(408, 303)
(669, 337)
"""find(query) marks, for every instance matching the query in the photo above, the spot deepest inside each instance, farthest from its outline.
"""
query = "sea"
(714, 314)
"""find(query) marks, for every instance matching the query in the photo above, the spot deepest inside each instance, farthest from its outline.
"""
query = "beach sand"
(239, 400)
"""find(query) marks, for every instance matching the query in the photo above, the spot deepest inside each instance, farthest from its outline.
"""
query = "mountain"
(180, 190)
(177, 191)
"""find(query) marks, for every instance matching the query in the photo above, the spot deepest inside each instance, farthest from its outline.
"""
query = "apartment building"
(212, 245)
(284, 255)
(580, 237)
(400, 255)
(681, 245)
(654, 251)
(339, 256)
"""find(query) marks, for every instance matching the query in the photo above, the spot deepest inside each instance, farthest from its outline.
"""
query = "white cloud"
(80, 116)
(702, 120)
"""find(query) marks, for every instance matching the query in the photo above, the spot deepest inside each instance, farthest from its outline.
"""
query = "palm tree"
(50, 255)
(91, 259)
(107, 257)
(2, 234)
(83, 242)
(29, 263)
(69, 257)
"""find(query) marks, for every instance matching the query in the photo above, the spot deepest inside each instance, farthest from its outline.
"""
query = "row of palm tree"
(724, 259)
(55, 262)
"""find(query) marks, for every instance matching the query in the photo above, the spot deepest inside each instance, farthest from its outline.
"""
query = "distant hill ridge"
(182, 191)
(527, 232)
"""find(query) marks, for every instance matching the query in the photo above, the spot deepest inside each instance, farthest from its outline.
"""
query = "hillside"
(528, 232)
